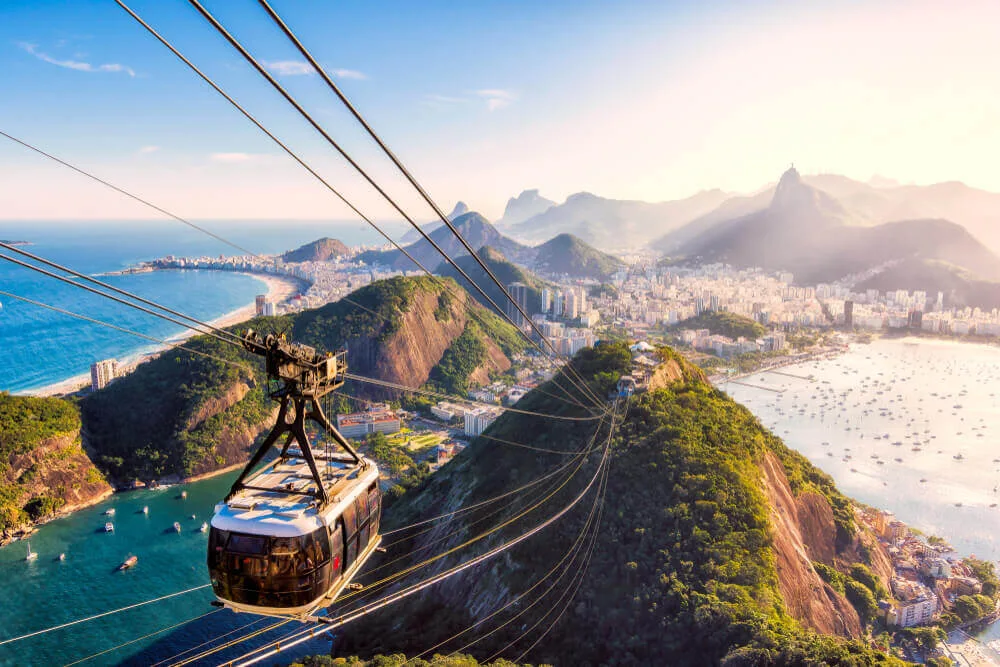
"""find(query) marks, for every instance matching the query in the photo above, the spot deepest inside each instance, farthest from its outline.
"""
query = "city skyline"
(650, 101)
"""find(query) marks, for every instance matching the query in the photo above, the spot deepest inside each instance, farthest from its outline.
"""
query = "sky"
(634, 99)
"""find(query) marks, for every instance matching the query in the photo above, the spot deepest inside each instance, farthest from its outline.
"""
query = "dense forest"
(682, 571)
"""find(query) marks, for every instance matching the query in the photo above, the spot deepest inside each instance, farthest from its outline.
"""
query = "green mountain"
(476, 229)
(572, 256)
(506, 272)
(186, 414)
(726, 324)
(319, 250)
(43, 467)
(699, 558)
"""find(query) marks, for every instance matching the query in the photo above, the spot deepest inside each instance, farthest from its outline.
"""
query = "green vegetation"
(985, 572)
(465, 355)
(682, 573)
(395, 459)
(972, 607)
(25, 421)
(726, 324)
(506, 272)
(571, 255)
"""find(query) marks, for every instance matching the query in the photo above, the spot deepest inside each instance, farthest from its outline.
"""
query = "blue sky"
(651, 100)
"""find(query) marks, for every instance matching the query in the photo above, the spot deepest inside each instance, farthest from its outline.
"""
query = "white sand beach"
(279, 289)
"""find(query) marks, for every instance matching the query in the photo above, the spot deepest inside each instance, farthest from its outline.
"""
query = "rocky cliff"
(44, 469)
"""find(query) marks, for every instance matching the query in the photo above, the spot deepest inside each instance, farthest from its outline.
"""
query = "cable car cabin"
(626, 386)
(277, 553)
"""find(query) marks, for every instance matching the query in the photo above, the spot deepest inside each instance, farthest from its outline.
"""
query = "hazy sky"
(647, 100)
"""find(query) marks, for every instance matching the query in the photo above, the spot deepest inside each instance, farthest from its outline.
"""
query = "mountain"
(572, 256)
(506, 272)
(185, 414)
(703, 551)
(959, 287)
(320, 250)
(876, 202)
(476, 229)
(43, 466)
(526, 205)
(460, 209)
(613, 223)
(810, 233)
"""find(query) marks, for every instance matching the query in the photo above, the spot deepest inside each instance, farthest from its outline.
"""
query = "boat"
(145, 509)
(192, 517)
(62, 556)
(184, 494)
(109, 512)
(923, 480)
(177, 526)
(109, 527)
(129, 562)
(958, 457)
(204, 527)
(31, 554)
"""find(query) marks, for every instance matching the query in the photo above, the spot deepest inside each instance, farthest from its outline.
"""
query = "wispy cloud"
(145, 150)
(301, 68)
(78, 65)
(496, 98)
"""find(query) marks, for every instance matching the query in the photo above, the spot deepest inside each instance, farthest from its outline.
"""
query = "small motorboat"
(109, 527)
(184, 494)
(145, 509)
(31, 554)
(109, 512)
(62, 556)
(192, 517)
(129, 562)
(204, 527)
(177, 527)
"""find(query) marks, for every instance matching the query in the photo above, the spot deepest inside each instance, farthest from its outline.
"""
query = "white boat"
(31, 554)
(145, 509)
(109, 512)
(177, 526)
(204, 527)
(109, 527)
(184, 494)
(62, 556)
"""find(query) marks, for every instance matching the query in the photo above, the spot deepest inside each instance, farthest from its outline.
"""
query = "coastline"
(279, 289)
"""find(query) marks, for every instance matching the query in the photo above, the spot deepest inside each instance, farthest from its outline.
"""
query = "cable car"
(626, 386)
(288, 538)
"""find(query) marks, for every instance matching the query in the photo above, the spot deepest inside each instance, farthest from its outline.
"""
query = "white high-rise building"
(102, 373)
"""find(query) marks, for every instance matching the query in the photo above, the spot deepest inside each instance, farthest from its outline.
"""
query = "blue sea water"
(39, 347)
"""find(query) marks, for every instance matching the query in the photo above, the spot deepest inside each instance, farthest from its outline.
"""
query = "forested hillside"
(693, 563)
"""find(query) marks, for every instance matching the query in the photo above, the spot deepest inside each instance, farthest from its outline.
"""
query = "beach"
(279, 289)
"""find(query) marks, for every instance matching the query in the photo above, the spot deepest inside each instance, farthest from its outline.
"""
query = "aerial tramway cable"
(579, 383)
(399, 165)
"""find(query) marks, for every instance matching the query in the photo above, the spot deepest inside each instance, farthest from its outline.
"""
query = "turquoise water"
(47, 592)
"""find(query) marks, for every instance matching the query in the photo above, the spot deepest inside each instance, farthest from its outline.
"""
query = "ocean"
(39, 347)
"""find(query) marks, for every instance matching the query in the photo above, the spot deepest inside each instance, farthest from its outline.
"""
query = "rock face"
(524, 206)
(44, 469)
(461, 208)
(804, 532)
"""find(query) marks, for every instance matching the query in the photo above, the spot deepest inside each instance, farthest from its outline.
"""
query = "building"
(268, 310)
(102, 373)
(477, 421)
(519, 295)
(376, 419)
(546, 299)
(446, 411)
(918, 611)
(849, 314)
(259, 302)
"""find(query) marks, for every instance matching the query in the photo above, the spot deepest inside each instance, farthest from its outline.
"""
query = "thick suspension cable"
(102, 615)
(215, 332)
(399, 165)
(153, 339)
(124, 192)
(256, 64)
(194, 68)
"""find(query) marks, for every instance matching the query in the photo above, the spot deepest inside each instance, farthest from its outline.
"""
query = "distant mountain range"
(812, 234)
(565, 254)
(606, 223)
(506, 272)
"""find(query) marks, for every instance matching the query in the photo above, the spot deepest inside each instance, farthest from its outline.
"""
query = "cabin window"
(321, 544)
(350, 520)
(247, 544)
(337, 549)
(362, 507)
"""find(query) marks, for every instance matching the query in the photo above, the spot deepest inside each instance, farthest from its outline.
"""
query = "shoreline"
(279, 290)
